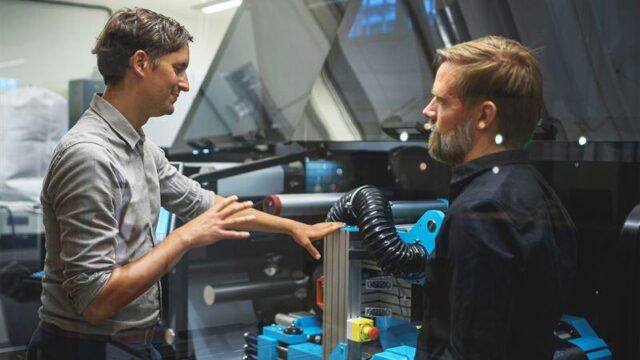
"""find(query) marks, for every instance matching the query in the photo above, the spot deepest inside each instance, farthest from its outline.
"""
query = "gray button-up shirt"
(101, 198)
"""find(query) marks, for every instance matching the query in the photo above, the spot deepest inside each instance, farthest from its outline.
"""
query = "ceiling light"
(211, 7)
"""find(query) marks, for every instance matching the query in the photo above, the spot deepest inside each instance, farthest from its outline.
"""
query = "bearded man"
(505, 257)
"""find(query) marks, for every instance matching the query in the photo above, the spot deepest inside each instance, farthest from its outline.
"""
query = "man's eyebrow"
(437, 95)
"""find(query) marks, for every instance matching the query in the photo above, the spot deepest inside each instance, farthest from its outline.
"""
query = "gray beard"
(452, 147)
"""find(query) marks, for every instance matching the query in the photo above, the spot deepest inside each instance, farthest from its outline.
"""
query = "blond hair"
(505, 72)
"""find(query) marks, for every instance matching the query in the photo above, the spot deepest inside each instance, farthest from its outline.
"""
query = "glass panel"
(591, 76)
(258, 86)
(332, 70)
(360, 70)
(378, 76)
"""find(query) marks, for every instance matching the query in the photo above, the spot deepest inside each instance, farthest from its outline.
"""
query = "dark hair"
(505, 72)
(130, 30)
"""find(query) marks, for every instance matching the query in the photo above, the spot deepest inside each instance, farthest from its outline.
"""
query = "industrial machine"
(329, 97)
(365, 309)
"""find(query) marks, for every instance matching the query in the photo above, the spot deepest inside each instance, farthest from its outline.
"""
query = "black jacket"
(503, 266)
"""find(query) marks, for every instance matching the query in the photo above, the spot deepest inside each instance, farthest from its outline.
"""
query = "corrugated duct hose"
(368, 208)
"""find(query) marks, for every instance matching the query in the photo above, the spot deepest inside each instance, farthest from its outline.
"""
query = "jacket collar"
(470, 169)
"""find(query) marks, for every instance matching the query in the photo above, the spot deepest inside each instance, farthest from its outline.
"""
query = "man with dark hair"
(103, 191)
(138, 29)
(505, 257)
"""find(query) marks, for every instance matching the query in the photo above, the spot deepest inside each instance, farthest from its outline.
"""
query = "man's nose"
(183, 83)
(428, 111)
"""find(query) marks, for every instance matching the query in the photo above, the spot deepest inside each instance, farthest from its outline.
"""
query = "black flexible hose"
(368, 208)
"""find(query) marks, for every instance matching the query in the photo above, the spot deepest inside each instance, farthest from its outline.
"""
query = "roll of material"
(250, 290)
(292, 205)
(284, 319)
(316, 204)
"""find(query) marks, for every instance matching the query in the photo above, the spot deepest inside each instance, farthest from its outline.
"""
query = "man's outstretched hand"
(219, 222)
(304, 234)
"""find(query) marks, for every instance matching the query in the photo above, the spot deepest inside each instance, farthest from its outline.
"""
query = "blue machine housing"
(308, 327)
(594, 347)
(398, 337)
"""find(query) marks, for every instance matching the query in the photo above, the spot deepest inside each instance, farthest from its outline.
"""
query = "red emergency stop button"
(372, 333)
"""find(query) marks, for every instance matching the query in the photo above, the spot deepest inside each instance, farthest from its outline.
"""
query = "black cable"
(368, 208)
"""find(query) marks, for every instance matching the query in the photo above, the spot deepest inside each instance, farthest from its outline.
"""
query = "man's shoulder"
(89, 132)
(503, 183)
(79, 145)
(84, 143)
(511, 189)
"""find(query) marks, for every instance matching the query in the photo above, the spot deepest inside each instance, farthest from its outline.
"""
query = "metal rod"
(319, 204)
(299, 204)
(410, 211)
(249, 290)
(209, 180)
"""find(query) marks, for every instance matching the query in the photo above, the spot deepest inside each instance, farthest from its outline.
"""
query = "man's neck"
(124, 101)
(483, 148)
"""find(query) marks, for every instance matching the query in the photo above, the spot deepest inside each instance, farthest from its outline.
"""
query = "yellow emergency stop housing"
(361, 330)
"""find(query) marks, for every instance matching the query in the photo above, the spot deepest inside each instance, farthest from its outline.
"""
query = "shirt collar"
(117, 121)
(462, 172)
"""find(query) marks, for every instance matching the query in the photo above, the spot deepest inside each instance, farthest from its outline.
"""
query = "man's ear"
(487, 115)
(139, 62)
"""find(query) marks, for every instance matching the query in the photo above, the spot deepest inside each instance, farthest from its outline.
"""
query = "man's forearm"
(128, 282)
(301, 233)
(268, 223)
(265, 222)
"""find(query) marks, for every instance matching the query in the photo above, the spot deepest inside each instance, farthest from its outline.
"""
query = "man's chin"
(437, 157)
(434, 148)
(169, 110)
(439, 154)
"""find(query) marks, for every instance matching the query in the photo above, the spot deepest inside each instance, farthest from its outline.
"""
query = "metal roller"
(249, 290)
(316, 204)
(407, 212)
(319, 204)
(284, 320)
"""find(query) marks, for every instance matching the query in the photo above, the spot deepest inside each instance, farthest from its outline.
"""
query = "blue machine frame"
(301, 340)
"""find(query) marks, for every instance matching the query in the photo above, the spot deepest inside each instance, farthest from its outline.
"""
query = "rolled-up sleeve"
(84, 190)
(180, 194)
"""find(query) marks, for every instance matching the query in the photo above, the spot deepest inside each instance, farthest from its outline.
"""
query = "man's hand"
(304, 234)
(216, 223)
(131, 280)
